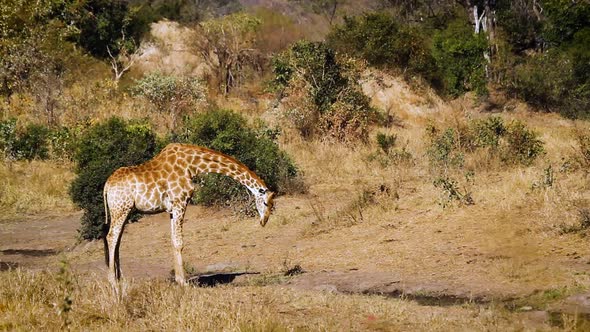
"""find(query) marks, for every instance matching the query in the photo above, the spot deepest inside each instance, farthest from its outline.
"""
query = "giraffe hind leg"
(113, 239)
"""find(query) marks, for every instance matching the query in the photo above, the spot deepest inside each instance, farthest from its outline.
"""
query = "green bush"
(459, 55)
(522, 144)
(556, 80)
(28, 143)
(513, 143)
(228, 132)
(62, 142)
(445, 149)
(488, 132)
(385, 141)
(7, 137)
(101, 150)
(380, 39)
(171, 94)
(453, 191)
(32, 143)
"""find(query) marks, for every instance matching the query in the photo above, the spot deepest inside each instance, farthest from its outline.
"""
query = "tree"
(109, 30)
(227, 46)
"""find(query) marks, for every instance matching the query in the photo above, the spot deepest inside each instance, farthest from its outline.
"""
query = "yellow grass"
(35, 187)
(36, 301)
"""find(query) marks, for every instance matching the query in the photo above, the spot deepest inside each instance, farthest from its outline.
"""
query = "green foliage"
(513, 143)
(519, 23)
(380, 39)
(388, 154)
(228, 132)
(445, 149)
(7, 137)
(32, 42)
(171, 94)
(489, 131)
(333, 102)
(321, 69)
(101, 150)
(459, 55)
(564, 19)
(522, 144)
(452, 191)
(547, 81)
(385, 141)
(32, 143)
(28, 143)
(105, 25)
(62, 141)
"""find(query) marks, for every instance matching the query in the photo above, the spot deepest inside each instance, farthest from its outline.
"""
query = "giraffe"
(164, 183)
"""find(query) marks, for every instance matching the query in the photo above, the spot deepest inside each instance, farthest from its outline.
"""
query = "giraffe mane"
(230, 158)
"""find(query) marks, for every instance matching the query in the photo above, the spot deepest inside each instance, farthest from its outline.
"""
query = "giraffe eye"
(265, 204)
(262, 191)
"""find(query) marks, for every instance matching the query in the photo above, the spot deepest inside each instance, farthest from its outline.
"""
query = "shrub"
(522, 144)
(32, 143)
(459, 55)
(28, 143)
(444, 147)
(553, 81)
(452, 191)
(62, 143)
(385, 141)
(228, 132)
(388, 154)
(327, 98)
(380, 39)
(170, 94)
(100, 151)
(513, 143)
(488, 132)
(7, 137)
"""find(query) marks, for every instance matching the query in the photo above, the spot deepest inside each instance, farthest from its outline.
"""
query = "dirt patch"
(393, 285)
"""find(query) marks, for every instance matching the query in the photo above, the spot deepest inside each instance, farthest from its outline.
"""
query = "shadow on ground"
(215, 279)
(30, 252)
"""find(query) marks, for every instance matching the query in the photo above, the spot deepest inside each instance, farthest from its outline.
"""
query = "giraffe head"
(264, 203)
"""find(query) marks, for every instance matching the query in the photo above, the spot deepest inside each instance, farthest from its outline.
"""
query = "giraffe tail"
(106, 226)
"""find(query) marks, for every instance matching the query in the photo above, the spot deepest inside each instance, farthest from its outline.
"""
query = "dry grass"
(35, 187)
(36, 301)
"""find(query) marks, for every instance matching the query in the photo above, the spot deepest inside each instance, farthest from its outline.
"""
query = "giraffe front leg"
(176, 220)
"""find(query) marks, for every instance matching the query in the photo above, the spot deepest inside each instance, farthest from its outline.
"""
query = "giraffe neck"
(203, 160)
